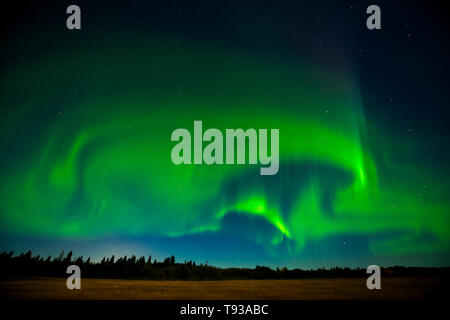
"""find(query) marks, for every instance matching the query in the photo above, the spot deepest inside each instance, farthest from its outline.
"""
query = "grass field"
(307, 289)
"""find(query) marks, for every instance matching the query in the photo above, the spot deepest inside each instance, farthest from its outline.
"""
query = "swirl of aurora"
(86, 154)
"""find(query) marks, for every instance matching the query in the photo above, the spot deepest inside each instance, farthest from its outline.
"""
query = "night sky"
(86, 118)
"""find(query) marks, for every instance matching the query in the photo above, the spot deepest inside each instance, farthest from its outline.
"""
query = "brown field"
(307, 289)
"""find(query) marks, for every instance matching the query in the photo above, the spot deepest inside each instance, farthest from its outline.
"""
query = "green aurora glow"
(88, 151)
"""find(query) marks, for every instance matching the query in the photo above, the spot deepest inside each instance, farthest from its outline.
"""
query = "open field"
(306, 289)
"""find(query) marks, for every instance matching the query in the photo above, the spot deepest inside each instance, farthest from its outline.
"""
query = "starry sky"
(86, 118)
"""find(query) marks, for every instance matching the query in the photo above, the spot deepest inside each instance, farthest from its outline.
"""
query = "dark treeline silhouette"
(25, 265)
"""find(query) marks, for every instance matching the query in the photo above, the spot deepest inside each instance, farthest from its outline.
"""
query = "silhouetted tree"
(61, 256)
(68, 258)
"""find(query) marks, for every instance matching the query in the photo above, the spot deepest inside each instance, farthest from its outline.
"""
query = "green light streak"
(102, 165)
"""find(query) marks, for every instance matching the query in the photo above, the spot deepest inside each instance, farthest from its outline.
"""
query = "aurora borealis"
(86, 123)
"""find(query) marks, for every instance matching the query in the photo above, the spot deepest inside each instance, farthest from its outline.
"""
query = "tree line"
(27, 265)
